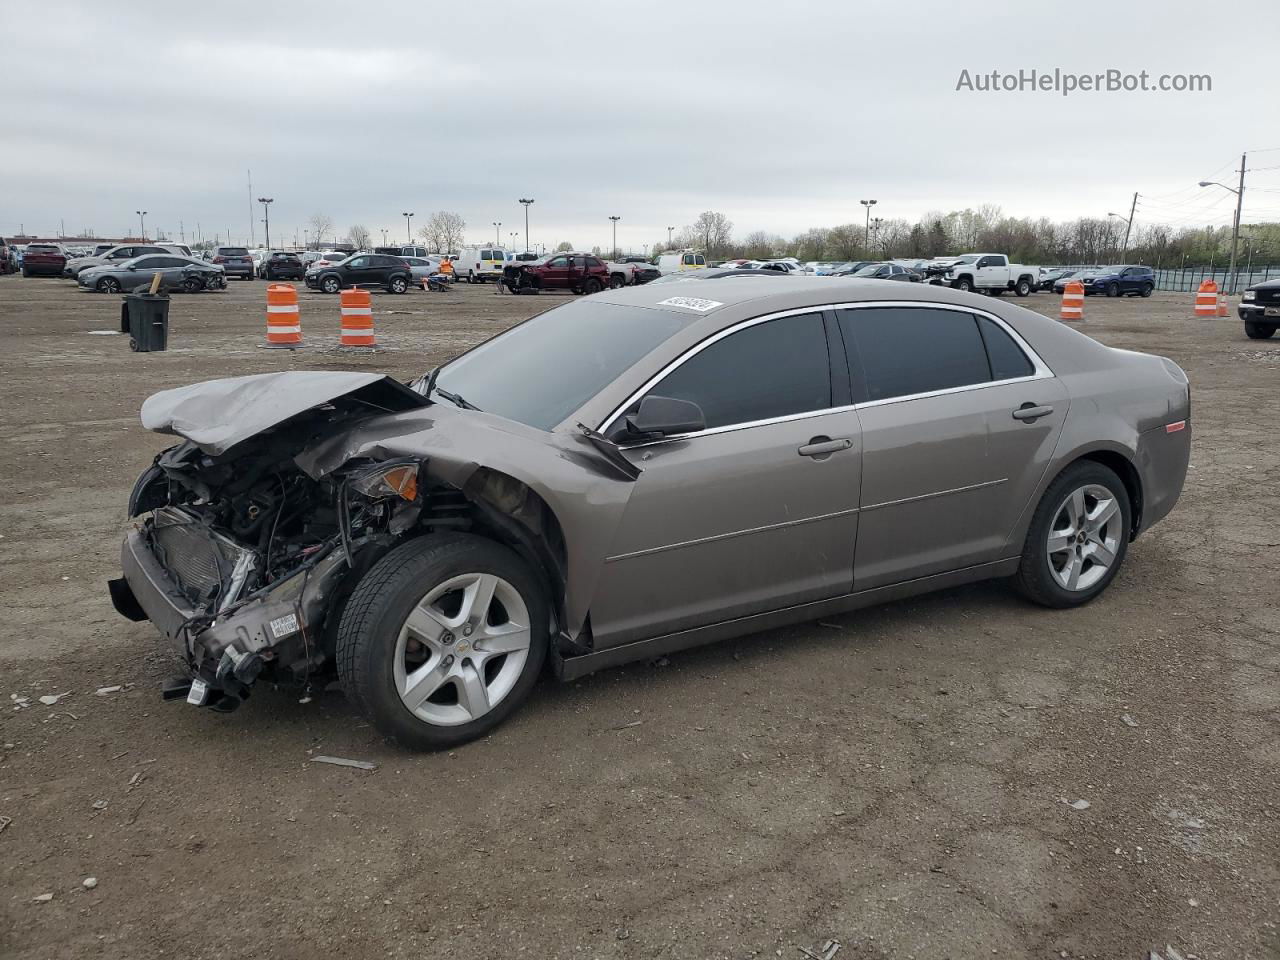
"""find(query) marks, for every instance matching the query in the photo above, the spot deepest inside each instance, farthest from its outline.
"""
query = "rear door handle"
(824, 446)
(1030, 412)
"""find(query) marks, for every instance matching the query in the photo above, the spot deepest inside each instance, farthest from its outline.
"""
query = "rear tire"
(1258, 331)
(1023, 289)
(26, 272)
(1068, 534)
(374, 658)
(1146, 290)
(592, 286)
(398, 285)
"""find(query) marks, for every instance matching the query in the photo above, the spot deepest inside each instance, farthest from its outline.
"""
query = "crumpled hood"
(218, 414)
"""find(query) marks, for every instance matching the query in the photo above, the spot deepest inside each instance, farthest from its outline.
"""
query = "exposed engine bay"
(258, 556)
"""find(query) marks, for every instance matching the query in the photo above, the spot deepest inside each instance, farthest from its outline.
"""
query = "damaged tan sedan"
(630, 474)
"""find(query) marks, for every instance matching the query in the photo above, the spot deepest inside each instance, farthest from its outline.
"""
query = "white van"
(674, 262)
(477, 264)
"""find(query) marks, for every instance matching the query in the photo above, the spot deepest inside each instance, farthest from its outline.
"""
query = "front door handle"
(820, 447)
(1031, 412)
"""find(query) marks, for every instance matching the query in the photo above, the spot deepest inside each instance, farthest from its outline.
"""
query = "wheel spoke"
(1072, 571)
(1079, 514)
(473, 696)
(1060, 540)
(1104, 512)
(1101, 554)
(508, 638)
(427, 625)
(477, 599)
(423, 682)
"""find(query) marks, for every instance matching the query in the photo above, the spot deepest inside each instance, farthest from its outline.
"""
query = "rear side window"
(772, 369)
(1006, 357)
(902, 351)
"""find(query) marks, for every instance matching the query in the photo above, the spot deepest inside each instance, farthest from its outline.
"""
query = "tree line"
(1041, 241)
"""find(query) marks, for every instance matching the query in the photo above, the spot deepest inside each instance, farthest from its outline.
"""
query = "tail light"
(219, 259)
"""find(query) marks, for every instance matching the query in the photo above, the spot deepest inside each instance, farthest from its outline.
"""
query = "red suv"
(579, 272)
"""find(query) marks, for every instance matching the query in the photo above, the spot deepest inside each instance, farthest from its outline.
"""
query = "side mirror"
(133, 266)
(664, 417)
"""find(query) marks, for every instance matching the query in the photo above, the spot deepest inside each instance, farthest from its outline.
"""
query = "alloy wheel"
(462, 649)
(1084, 537)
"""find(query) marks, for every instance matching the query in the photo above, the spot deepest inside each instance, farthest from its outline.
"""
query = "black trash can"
(145, 318)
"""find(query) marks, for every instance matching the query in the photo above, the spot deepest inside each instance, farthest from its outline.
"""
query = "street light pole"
(266, 216)
(615, 235)
(669, 232)
(497, 237)
(1235, 230)
(408, 227)
(1126, 229)
(866, 232)
(527, 203)
(142, 222)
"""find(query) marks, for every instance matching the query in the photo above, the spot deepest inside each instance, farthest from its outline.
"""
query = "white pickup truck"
(990, 273)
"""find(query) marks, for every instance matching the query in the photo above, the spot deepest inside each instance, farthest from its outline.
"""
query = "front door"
(556, 272)
(754, 513)
(951, 450)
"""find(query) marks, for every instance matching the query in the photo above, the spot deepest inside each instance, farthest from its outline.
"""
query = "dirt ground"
(899, 779)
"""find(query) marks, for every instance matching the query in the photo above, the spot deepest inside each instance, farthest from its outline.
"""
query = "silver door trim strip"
(936, 493)
(729, 536)
(1041, 369)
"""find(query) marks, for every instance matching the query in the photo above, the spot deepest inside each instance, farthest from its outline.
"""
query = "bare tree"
(444, 231)
(321, 225)
(712, 231)
(359, 237)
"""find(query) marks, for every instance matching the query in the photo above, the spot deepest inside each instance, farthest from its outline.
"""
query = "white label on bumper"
(198, 693)
(284, 626)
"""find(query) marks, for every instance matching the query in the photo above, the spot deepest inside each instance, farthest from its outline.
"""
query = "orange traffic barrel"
(284, 326)
(357, 319)
(1207, 299)
(1073, 301)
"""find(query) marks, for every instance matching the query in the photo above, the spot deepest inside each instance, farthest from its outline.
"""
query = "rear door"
(754, 513)
(947, 466)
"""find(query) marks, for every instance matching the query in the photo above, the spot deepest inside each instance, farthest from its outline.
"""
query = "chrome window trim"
(1040, 370)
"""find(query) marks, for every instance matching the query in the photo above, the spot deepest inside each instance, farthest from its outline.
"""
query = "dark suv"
(1119, 281)
(579, 272)
(362, 270)
(235, 261)
(281, 265)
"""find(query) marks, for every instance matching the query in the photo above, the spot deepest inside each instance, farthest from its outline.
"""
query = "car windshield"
(868, 270)
(960, 260)
(1116, 268)
(539, 372)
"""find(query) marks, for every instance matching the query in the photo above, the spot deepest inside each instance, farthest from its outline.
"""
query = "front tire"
(1113, 289)
(1078, 537)
(442, 640)
(1258, 331)
(964, 285)
(330, 284)
(108, 285)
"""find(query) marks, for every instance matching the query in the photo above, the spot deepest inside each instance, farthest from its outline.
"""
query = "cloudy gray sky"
(781, 115)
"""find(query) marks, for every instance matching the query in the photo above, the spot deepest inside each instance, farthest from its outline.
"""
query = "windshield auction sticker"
(691, 303)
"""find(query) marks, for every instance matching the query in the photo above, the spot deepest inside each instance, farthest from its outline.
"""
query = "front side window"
(541, 371)
(772, 369)
(559, 262)
(901, 351)
(688, 259)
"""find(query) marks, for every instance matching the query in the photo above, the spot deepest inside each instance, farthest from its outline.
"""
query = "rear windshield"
(542, 370)
(41, 248)
(233, 251)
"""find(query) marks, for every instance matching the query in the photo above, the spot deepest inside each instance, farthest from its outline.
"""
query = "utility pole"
(1235, 232)
(266, 216)
(866, 232)
(1129, 225)
(182, 231)
(615, 235)
(526, 203)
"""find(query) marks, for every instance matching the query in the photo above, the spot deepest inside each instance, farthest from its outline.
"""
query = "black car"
(1260, 309)
(281, 265)
(362, 270)
(235, 261)
(1049, 277)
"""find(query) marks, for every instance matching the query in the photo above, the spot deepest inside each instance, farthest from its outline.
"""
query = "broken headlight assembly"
(390, 478)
